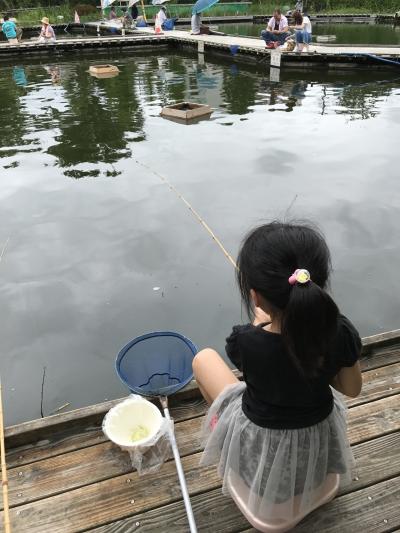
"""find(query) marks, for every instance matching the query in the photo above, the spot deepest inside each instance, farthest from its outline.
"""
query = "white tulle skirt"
(278, 473)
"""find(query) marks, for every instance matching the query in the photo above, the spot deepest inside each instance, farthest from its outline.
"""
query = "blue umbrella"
(202, 5)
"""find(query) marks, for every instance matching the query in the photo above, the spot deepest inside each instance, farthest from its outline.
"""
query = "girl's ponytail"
(307, 314)
(309, 323)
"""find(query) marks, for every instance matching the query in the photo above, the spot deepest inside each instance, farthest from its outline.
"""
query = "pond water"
(345, 33)
(97, 247)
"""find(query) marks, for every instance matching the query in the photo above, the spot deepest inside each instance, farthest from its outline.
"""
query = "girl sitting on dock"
(279, 436)
(47, 34)
(303, 31)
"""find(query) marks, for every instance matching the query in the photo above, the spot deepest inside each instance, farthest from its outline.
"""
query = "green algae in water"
(139, 433)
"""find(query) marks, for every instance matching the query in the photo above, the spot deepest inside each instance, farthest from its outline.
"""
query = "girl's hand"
(260, 317)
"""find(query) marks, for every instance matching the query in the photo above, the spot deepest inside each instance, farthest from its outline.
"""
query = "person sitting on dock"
(161, 17)
(277, 29)
(279, 436)
(10, 30)
(134, 12)
(303, 31)
(195, 23)
(47, 34)
(112, 14)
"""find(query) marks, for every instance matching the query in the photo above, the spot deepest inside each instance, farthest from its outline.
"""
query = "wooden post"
(4, 479)
(275, 65)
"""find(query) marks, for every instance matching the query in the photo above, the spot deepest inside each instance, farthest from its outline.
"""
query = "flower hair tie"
(300, 276)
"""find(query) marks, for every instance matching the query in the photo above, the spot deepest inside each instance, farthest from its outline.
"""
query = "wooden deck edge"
(380, 340)
(90, 416)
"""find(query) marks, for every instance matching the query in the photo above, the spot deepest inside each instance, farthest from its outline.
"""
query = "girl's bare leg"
(212, 374)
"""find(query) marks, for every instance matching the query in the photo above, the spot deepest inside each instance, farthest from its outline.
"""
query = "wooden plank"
(370, 420)
(386, 355)
(87, 417)
(84, 467)
(213, 513)
(112, 499)
(378, 383)
(381, 339)
(222, 514)
(374, 509)
(80, 428)
(103, 461)
(77, 437)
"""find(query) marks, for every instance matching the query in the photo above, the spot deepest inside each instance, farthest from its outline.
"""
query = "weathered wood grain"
(112, 499)
(219, 512)
(97, 463)
(387, 338)
(88, 417)
(378, 357)
(375, 509)
(105, 460)
(86, 466)
(75, 437)
(214, 513)
(370, 420)
(378, 383)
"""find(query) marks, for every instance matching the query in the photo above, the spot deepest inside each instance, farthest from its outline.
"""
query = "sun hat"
(45, 20)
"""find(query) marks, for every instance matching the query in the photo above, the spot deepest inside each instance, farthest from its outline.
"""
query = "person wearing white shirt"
(277, 29)
(161, 17)
(303, 29)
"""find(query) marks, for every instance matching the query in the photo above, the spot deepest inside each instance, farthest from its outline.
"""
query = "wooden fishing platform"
(65, 477)
(245, 49)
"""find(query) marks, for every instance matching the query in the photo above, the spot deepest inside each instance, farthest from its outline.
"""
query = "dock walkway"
(242, 48)
(253, 43)
(66, 477)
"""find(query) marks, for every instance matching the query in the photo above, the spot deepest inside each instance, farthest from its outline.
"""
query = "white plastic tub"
(122, 420)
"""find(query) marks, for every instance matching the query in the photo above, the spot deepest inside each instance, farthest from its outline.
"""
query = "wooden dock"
(245, 49)
(65, 477)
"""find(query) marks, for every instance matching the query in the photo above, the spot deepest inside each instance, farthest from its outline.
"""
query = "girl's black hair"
(268, 257)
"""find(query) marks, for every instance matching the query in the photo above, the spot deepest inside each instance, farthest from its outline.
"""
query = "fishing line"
(192, 210)
(4, 248)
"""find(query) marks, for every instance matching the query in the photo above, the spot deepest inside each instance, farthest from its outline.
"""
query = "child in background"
(280, 435)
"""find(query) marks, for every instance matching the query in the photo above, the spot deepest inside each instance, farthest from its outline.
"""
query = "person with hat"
(10, 30)
(47, 34)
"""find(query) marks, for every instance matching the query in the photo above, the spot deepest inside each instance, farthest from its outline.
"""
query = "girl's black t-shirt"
(277, 396)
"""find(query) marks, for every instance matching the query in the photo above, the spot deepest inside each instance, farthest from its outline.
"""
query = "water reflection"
(84, 255)
(94, 122)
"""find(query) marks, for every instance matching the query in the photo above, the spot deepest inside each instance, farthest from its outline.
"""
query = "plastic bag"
(134, 416)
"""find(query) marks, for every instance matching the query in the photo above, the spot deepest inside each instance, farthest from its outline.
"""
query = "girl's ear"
(255, 298)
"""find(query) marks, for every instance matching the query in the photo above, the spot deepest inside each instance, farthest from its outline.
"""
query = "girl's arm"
(348, 380)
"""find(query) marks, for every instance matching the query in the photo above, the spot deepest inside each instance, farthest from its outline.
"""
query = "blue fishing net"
(156, 364)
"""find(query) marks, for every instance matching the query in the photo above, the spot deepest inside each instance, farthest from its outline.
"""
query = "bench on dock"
(65, 476)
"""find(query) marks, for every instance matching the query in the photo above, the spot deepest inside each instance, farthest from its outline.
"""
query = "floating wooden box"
(103, 71)
(186, 112)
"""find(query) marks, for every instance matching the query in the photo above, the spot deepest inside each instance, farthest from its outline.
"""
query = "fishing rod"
(192, 210)
(4, 477)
